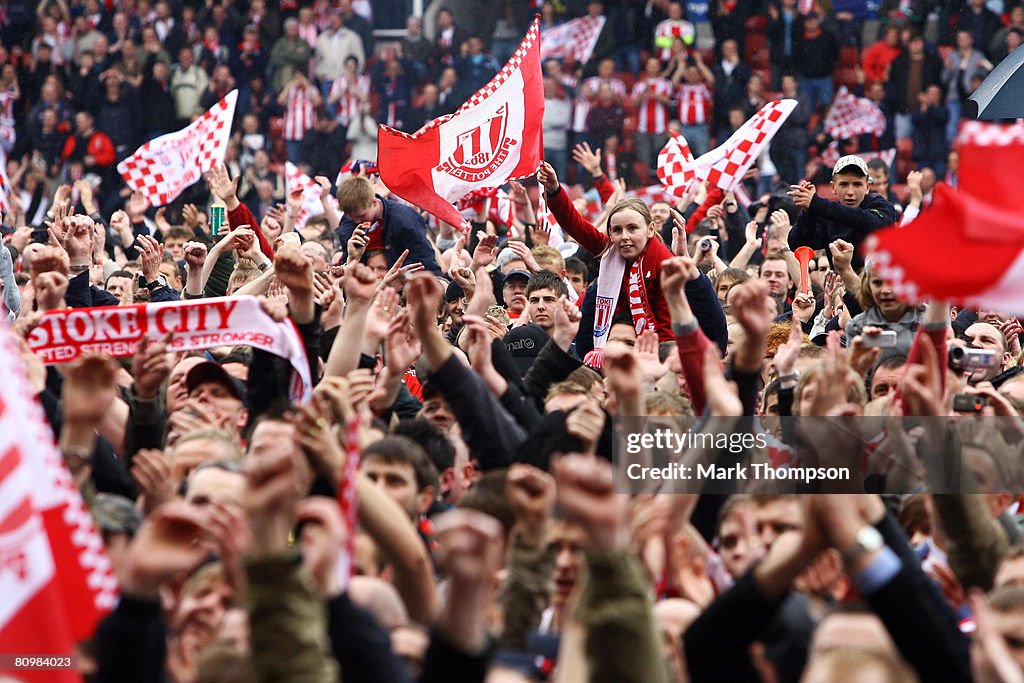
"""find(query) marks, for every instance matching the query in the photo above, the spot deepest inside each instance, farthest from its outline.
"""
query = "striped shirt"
(352, 95)
(652, 115)
(299, 115)
(694, 104)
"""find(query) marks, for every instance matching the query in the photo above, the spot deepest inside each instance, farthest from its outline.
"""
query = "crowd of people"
(481, 380)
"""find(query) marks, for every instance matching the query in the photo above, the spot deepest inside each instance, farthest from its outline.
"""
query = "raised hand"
(803, 307)
(485, 252)
(357, 243)
(750, 234)
(723, 395)
(400, 347)
(586, 423)
(531, 492)
(221, 184)
(802, 194)
(751, 308)
(89, 390)
(323, 538)
(399, 273)
(781, 224)
(423, 294)
(293, 270)
(585, 495)
(587, 158)
(153, 473)
(151, 253)
(195, 256)
(842, 255)
(169, 542)
(151, 365)
(359, 283)
(547, 178)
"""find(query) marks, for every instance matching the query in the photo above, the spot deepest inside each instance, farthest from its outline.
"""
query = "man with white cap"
(857, 213)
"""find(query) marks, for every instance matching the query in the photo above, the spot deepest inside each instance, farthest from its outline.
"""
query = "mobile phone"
(218, 216)
(969, 403)
(883, 340)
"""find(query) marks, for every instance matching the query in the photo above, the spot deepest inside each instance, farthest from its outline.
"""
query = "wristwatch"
(159, 282)
(867, 541)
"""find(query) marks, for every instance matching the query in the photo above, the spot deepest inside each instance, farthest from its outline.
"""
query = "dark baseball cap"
(213, 372)
(454, 292)
(515, 273)
(524, 344)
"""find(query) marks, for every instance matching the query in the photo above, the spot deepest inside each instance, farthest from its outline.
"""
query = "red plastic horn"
(804, 256)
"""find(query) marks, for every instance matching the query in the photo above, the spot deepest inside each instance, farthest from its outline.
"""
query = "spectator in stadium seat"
(816, 56)
(910, 75)
(981, 22)
(930, 142)
(606, 116)
(290, 53)
(784, 29)
(961, 66)
(731, 76)
(875, 60)
(188, 83)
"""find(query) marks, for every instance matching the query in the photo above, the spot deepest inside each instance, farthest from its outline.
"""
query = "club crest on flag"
(481, 150)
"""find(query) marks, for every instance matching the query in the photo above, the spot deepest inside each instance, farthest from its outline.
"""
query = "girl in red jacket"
(631, 257)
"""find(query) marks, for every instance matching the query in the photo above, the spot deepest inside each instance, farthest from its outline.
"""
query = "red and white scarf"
(609, 283)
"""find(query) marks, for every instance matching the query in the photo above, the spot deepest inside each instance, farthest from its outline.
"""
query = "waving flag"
(501, 211)
(311, 204)
(851, 116)
(968, 247)
(56, 580)
(576, 38)
(493, 138)
(163, 167)
(724, 166)
(354, 167)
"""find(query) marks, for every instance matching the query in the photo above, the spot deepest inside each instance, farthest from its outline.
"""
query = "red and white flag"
(576, 38)
(851, 116)
(968, 247)
(724, 166)
(501, 210)
(493, 138)
(56, 581)
(163, 167)
(311, 204)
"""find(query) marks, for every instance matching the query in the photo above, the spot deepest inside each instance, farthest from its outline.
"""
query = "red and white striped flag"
(851, 116)
(56, 581)
(576, 38)
(501, 211)
(311, 205)
(163, 167)
(968, 247)
(493, 138)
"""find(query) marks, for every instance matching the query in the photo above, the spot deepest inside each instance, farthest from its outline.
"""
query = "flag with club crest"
(968, 246)
(576, 39)
(493, 138)
(56, 580)
(162, 168)
(311, 204)
(724, 166)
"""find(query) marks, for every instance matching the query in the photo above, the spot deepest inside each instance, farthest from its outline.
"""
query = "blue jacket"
(403, 229)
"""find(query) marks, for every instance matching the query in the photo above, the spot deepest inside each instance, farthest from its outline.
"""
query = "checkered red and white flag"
(55, 577)
(851, 116)
(163, 167)
(675, 165)
(311, 205)
(493, 138)
(968, 247)
(576, 38)
(724, 166)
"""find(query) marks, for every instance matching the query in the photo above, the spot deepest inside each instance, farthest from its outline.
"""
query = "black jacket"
(899, 72)
(826, 221)
(816, 57)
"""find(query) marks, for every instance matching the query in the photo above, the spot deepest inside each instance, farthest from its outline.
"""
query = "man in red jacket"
(88, 145)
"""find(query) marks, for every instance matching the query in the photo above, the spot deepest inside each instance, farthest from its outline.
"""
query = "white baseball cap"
(850, 160)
